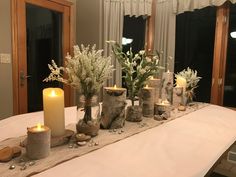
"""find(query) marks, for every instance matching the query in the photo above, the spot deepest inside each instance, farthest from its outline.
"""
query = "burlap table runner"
(63, 153)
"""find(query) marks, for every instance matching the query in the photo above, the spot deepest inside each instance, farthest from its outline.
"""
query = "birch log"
(113, 108)
(147, 101)
(38, 142)
(156, 84)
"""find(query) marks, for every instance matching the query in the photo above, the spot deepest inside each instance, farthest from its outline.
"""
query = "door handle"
(23, 77)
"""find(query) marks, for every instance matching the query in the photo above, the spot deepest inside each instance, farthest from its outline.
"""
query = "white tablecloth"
(184, 147)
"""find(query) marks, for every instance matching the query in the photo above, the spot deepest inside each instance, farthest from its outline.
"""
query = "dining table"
(188, 146)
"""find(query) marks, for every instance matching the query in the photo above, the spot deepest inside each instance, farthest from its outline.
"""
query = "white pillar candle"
(181, 82)
(53, 105)
(38, 142)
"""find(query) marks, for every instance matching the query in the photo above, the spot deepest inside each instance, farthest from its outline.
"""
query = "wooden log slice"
(6, 154)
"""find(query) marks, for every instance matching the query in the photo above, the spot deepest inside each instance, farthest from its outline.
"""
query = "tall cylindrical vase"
(167, 86)
(88, 115)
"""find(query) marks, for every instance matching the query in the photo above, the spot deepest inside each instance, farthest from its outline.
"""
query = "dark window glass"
(195, 34)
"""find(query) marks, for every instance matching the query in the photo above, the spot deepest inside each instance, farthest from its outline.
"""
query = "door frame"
(18, 22)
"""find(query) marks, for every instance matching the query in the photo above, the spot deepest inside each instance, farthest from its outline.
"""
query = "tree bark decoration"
(113, 108)
(147, 101)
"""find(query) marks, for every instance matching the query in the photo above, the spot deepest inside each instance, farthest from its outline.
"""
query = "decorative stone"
(60, 140)
(158, 117)
(82, 143)
(147, 101)
(166, 115)
(23, 168)
(134, 113)
(6, 154)
(96, 143)
(70, 146)
(31, 163)
(12, 167)
(113, 108)
(182, 108)
(21, 160)
(82, 137)
(90, 128)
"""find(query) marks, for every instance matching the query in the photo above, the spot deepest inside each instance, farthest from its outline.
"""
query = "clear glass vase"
(88, 115)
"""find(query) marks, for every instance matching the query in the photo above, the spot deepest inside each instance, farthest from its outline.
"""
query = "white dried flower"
(137, 68)
(191, 80)
(142, 52)
(148, 59)
(142, 71)
(86, 70)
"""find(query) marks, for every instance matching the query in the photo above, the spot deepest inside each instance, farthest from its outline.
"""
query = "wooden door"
(19, 45)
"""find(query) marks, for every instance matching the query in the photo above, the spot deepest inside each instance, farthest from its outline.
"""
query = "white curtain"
(164, 36)
(138, 7)
(181, 6)
(111, 18)
(112, 29)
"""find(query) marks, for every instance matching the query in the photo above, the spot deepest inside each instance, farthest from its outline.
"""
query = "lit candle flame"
(146, 86)
(151, 77)
(53, 93)
(39, 127)
(168, 71)
(165, 102)
(115, 86)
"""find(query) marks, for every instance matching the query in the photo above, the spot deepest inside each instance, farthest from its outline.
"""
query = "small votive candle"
(38, 142)
(181, 82)
(162, 107)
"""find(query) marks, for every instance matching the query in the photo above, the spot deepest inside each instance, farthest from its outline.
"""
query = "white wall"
(6, 96)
